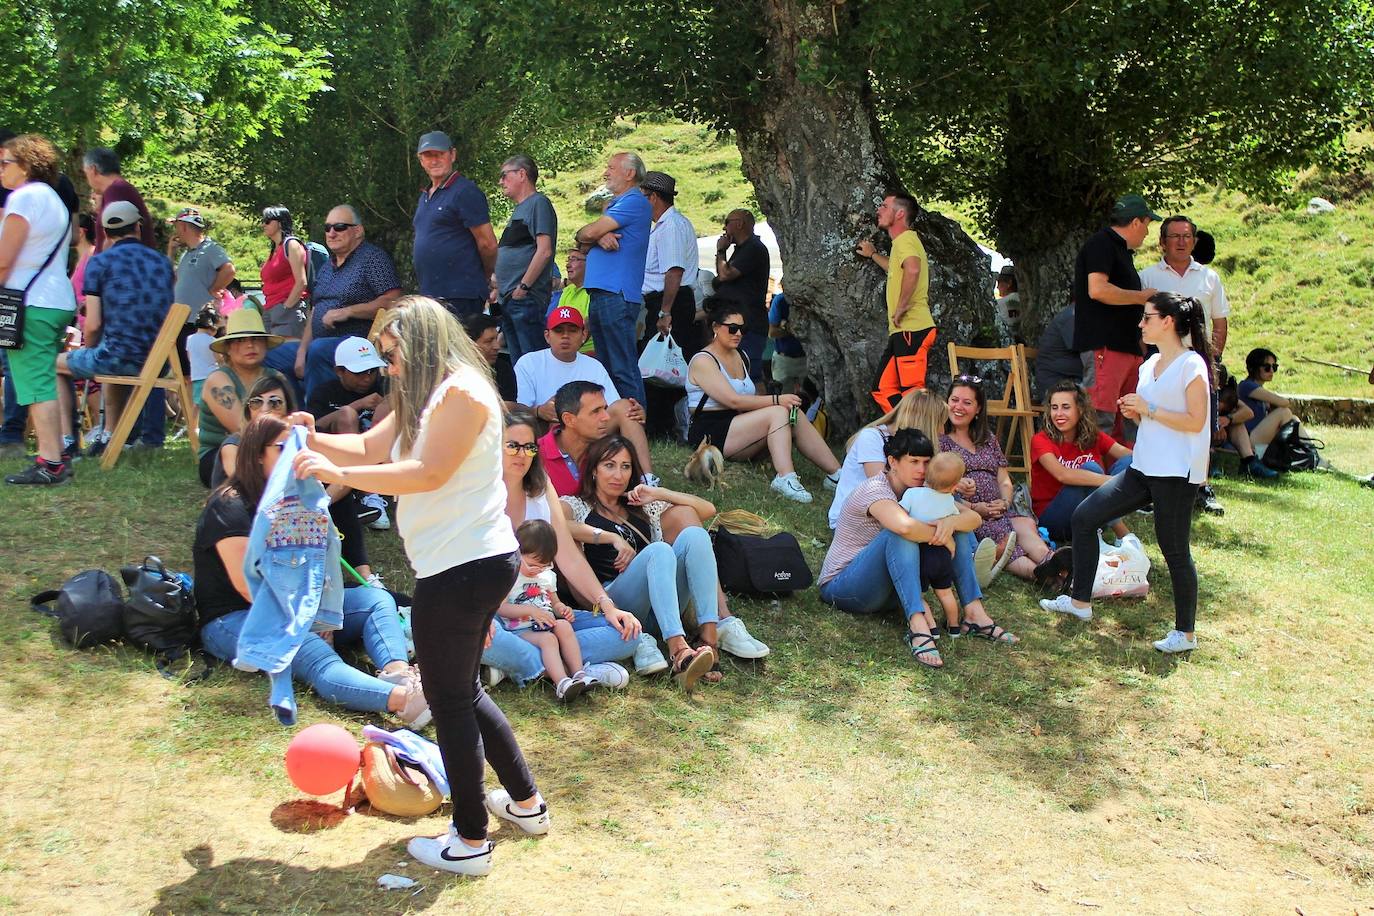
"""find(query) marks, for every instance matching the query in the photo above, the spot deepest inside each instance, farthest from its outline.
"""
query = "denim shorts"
(89, 362)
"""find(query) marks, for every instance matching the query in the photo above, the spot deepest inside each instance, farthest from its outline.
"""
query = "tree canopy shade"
(151, 75)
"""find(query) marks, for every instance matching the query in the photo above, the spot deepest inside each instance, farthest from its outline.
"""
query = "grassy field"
(1077, 771)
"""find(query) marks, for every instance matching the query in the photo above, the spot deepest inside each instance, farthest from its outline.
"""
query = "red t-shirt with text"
(1044, 487)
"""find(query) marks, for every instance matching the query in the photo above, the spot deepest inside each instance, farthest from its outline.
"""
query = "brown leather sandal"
(690, 664)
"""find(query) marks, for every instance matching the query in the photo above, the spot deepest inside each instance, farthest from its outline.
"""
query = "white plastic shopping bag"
(1122, 572)
(662, 362)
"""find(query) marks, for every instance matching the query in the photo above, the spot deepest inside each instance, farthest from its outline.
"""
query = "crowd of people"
(501, 415)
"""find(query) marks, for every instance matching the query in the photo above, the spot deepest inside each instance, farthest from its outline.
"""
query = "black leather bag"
(1290, 450)
(161, 611)
(760, 567)
(89, 608)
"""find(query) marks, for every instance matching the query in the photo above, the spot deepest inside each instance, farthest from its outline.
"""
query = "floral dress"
(981, 467)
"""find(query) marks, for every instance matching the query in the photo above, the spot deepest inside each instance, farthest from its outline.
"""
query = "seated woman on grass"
(1070, 458)
(244, 345)
(223, 599)
(1271, 410)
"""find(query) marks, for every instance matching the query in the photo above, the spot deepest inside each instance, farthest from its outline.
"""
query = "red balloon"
(322, 759)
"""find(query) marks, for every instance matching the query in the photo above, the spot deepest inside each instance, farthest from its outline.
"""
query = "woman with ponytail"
(1171, 404)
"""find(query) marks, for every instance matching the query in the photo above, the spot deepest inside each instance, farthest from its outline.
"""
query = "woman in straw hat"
(243, 346)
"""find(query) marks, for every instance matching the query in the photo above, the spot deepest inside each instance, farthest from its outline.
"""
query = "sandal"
(989, 631)
(922, 645)
(690, 664)
(715, 675)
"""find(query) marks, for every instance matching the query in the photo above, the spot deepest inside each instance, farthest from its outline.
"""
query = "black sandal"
(926, 647)
(989, 631)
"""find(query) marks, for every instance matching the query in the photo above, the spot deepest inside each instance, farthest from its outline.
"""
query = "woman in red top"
(283, 276)
(1068, 457)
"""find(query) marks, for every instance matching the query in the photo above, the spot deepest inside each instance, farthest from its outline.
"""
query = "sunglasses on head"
(974, 380)
(529, 448)
(273, 402)
(731, 327)
(338, 227)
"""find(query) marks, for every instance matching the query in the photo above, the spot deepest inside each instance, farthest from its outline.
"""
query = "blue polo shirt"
(447, 263)
(134, 283)
(622, 271)
(778, 312)
(364, 275)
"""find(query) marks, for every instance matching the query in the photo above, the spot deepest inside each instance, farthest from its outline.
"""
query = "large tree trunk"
(819, 170)
(1044, 273)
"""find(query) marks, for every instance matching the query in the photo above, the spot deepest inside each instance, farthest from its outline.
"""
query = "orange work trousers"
(903, 366)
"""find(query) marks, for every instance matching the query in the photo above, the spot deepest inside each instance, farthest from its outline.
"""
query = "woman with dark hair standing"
(442, 442)
(283, 275)
(1172, 405)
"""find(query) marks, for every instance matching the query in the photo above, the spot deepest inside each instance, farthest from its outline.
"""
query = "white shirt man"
(1177, 272)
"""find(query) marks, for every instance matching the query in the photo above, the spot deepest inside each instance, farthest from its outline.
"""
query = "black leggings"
(1173, 499)
(450, 616)
(344, 512)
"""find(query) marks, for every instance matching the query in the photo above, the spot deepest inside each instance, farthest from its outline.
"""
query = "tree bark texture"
(815, 156)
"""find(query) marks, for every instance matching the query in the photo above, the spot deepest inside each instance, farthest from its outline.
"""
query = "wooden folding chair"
(1011, 413)
(162, 369)
(1028, 356)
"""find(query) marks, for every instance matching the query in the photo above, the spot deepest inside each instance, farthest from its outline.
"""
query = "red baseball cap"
(564, 314)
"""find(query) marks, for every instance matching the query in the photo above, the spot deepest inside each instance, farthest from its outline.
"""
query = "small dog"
(706, 465)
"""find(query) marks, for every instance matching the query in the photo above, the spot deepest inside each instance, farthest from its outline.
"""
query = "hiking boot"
(39, 474)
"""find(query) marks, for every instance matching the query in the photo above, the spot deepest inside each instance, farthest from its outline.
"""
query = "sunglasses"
(268, 219)
(273, 402)
(731, 327)
(529, 448)
(1272, 367)
(974, 380)
(338, 227)
(1148, 315)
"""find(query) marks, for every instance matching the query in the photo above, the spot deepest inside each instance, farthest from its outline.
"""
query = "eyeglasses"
(515, 448)
(731, 327)
(390, 355)
(1178, 235)
(9, 161)
(1272, 367)
(974, 380)
(338, 227)
(273, 402)
(505, 172)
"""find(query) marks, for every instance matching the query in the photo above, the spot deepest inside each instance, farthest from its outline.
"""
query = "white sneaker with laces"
(733, 637)
(1175, 642)
(790, 486)
(534, 822)
(569, 689)
(375, 501)
(449, 853)
(1064, 605)
(492, 675)
(608, 674)
(832, 481)
(375, 581)
(648, 658)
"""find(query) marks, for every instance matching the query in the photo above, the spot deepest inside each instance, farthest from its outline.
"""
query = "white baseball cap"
(356, 354)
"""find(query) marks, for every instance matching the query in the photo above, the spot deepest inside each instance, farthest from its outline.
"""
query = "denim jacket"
(293, 572)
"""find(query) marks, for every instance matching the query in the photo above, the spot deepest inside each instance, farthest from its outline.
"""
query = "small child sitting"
(534, 613)
(929, 504)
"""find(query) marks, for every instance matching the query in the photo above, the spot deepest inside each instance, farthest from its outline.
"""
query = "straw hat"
(245, 323)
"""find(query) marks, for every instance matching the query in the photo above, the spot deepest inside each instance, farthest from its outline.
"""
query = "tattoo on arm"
(224, 395)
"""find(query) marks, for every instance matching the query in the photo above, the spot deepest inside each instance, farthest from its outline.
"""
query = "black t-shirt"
(329, 397)
(1096, 325)
(601, 557)
(506, 385)
(224, 516)
(750, 289)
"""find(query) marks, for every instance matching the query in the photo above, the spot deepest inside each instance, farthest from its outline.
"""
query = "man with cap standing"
(204, 269)
(455, 247)
(524, 258)
(1109, 304)
(128, 289)
(670, 268)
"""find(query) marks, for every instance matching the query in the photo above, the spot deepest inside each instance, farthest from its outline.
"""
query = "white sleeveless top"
(464, 519)
(741, 385)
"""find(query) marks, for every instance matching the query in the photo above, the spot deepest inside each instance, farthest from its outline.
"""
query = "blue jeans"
(612, 321)
(319, 364)
(598, 640)
(369, 618)
(16, 416)
(1057, 517)
(662, 578)
(522, 322)
(753, 344)
(887, 574)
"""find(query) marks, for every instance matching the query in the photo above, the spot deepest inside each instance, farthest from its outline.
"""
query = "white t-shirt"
(49, 226)
(927, 505)
(464, 519)
(201, 356)
(867, 447)
(672, 243)
(1159, 450)
(539, 375)
(1198, 281)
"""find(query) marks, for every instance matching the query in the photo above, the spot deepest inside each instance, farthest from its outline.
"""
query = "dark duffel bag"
(89, 608)
(757, 566)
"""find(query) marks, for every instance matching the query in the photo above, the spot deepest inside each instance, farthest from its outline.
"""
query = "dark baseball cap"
(659, 183)
(1133, 206)
(434, 140)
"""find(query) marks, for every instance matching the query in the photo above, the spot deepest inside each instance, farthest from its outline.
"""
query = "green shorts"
(34, 365)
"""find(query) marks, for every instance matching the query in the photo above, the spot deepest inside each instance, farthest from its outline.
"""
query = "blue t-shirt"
(622, 271)
(447, 263)
(1261, 409)
(363, 276)
(778, 313)
(134, 283)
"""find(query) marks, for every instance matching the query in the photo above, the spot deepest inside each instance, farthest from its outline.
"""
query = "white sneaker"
(1064, 605)
(608, 674)
(732, 637)
(450, 854)
(984, 558)
(492, 675)
(790, 486)
(375, 581)
(535, 823)
(569, 689)
(375, 501)
(1003, 560)
(1175, 642)
(651, 480)
(648, 658)
(832, 481)
(416, 713)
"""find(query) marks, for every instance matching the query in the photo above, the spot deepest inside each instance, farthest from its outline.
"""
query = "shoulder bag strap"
(704, 396)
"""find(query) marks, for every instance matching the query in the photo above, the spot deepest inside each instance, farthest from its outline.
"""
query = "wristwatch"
(526, 287)
(1151, 412)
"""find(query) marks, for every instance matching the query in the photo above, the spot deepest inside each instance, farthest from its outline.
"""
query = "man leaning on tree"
(910, 326)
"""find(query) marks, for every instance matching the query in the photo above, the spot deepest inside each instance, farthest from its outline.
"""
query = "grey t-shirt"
(196, 273)
(534, 216)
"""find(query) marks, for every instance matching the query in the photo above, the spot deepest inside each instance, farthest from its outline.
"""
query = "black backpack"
(758, 567)
(160, 614)
(1290, 450)
(89, 608)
